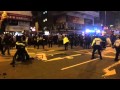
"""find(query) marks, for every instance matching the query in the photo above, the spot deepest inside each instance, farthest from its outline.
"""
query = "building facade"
(73, 20)
(16, 21)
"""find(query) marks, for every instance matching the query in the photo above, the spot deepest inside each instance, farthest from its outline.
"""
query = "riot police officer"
(117, 48)
(21, 52)
(96, 44)
(65, 42)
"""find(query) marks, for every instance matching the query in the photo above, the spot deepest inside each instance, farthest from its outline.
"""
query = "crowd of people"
(8, 41)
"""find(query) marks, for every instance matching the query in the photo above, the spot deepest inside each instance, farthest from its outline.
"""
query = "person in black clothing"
(44, 41)
(21, 54)
(81, 40)
(50, 41)
(116, 45)
(7, 43)
(1, 46)
(71, 41)
(96, 44)
(103, 42)
(35, 41)
(87, 42)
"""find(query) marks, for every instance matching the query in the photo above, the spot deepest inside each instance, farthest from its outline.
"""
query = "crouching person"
(21, 53)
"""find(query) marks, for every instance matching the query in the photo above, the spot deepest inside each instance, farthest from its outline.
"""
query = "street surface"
(71, 64)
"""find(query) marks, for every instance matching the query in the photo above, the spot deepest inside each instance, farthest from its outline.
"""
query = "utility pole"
(105, 18)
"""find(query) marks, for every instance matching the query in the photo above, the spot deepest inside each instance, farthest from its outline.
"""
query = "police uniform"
(35, 41)
(38, 39)
(96, 44)
(117, 48)
(65, 42)
(21, 52)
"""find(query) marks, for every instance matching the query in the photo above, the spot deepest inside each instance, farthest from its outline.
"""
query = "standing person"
(117, 48)
(113, 38)
(1, 46)
(96, 44)
(81, 40)
(103, 42)
(71, 41)
(65, 42)
(44, 42)
(50, 40)
(38, 41)
(7, 43)
(60, 40)
(35, 41)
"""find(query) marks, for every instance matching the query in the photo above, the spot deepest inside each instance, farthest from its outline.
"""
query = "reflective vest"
(20, 45)
(96, 41)
(65, 40)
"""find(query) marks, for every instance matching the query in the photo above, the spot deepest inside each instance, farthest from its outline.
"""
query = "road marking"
(110, 72)
(79, 64)
(41, 56)
(31, 53)
(109, 56)
(81, 51)
(30, 48)
(102, 55)
(12, 50)
(49, 51)
(5, 60)
(56, 53)
(69, 57)
(59, 58)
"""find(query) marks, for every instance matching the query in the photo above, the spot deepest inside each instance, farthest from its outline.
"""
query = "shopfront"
(17, 21)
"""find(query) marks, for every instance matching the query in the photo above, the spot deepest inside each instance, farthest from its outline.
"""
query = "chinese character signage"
(74, 19)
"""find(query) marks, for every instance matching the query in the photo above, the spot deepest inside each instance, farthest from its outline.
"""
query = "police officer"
(71, 41)
(117, 48)
(65, 42)
(21, 52)
(35, 41)
(38, 41)
(1, 46)
(96, 44)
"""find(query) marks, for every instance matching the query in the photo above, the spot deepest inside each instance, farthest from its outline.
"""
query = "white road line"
(5, 60)
(110, 72)
(79, 64)
(81, 51)
(56, 53)
(107, 68)
(59, 58)
(102, 55)
(109, 56)
(31, 53)
(30, 48)
(49, 51)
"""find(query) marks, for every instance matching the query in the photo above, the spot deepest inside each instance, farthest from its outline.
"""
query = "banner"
(61, 19)
(74, 19)
(17, 28)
